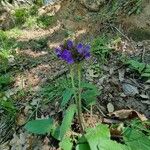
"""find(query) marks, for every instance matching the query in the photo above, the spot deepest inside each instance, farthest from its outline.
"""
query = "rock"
(92, 5)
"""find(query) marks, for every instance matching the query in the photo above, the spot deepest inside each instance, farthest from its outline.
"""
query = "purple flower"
(67, 56)
(69, 44)
(80, 48)
(58, 52)
(87, 48)
(86, 52)
(72, 53)
(87, 55)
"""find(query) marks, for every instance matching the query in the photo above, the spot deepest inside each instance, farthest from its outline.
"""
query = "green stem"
(73, 84)
(79, 104)
(77, 99)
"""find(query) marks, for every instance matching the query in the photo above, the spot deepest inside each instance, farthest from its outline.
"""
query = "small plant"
(5, 80)
(6, 46)
(20, 15)
(8, 106)
(142, 68)
(6, 103)
(73, 55)
(33, 11)
(100, 48)
(39, 2)
(31, 22)
(46, 21)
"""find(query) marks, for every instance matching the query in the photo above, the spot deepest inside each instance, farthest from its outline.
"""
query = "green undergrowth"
(28, 17)
(134, 136)
(140, 68)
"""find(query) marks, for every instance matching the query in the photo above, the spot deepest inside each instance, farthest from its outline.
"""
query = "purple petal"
(70, 60)
(80, 48)
(70, 44)
(67, 56)
(87, 48)
(87, 55)
(58, 51)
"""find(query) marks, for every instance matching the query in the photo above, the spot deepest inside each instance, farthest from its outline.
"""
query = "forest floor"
(39, 77)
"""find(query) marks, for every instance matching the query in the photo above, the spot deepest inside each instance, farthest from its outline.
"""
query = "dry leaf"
(46, 146)
(144, 96)
(129, 90)
(110, 121)
(110, 107)
(148, 81)
(121, 74)
(21, 120)
(146, 102)
(92, 73)
(127, 114)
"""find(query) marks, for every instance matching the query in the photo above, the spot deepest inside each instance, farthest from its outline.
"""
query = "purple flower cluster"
(72, 53)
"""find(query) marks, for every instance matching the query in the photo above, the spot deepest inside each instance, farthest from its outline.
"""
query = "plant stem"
(79, 104)
(77, 99)
(73, 84)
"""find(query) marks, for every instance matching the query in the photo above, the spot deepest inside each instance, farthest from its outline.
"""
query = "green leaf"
(94, 135)
(66, 123)
(88, 85)
(90, 96)
(136, 65)
(147, 69)
(105, 144)
(41, 126)
(66, 97)
(136, 140)
(66, 144)
(145, 74)
(83, 146)
(56, 132)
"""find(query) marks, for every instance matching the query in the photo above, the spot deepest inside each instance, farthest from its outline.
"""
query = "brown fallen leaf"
(46, 146)
(110, 107)
(110, 121)
(127, 114)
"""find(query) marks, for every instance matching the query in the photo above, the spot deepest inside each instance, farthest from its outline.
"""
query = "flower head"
(69, 44)
(80, 48)
(72, 53)
(67, 56)
(87, 52)
(58, 52)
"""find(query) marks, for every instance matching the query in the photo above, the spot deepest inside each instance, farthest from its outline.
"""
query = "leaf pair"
(89, 93)
(44, 126)
(99, 139)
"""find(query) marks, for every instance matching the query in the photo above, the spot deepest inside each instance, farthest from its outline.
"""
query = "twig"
(143, 54)
(37, 106)
(100, 111)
